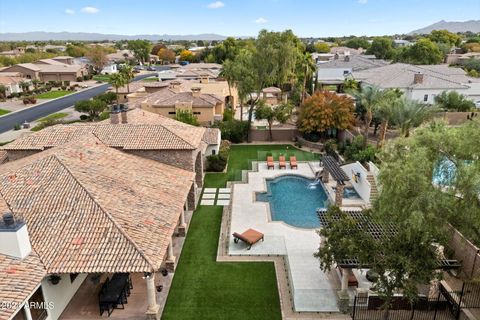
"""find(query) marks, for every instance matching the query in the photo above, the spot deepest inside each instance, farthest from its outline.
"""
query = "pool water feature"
(295, 200)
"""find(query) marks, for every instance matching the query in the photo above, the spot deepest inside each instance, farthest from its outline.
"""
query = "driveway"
(8, 121)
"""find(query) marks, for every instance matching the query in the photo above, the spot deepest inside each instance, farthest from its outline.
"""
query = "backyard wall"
(455, 118)
(279, 134)
(361, 185)
(61, 293)
(465, 252)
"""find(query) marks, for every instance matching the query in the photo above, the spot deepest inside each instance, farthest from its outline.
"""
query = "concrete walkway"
(312, 289)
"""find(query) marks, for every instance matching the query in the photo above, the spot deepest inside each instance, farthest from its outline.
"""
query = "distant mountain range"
(452, 26)
(83, 36)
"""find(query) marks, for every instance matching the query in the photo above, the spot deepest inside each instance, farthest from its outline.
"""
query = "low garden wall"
(309, 144)
(279, 134)
(466, 253)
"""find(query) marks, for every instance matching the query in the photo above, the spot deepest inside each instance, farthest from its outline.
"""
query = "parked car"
(183, 63)
(151, 69)
(477, 104)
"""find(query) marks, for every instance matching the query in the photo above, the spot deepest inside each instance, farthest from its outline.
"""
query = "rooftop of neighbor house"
(138, 85)
(144, 131)
(196, 73)
(119, 55)
(354, 62)
(55, 67)
(90, 213)
(345, 50)
(10, 79)
(271, 90)
(401, 75)
(9, 73)
(167, 98)
(212, 136)
(202, 65)
(50, 61)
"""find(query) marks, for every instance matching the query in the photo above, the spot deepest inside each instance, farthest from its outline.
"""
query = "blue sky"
(232, 17)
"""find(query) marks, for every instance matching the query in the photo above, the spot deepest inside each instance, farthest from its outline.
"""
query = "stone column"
(345, 273)
(182, 228)
(339, 194)
(192, 197)
(153, 310)
(325, 176)
(170, 263)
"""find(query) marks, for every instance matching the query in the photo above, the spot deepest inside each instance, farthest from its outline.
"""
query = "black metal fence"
(446, 306)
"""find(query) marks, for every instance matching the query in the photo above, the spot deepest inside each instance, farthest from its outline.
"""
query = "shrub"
(17, 127)
(355, 151)
(331, 147)
(216, 163)
(85, 77)
(66, 83)
(234, 131)
(79, 79)
(64, 88)
(84, 117)
(107, 97)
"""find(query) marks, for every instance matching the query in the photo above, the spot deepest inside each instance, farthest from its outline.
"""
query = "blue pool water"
(294, 200)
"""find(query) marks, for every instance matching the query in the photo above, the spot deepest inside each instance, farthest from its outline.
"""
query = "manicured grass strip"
(205, 289)
(101, 77)
(152, 79)
(54, 116)
(53, 94)
(3, 111)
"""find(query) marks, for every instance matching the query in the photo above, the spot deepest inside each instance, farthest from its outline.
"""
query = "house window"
(171, 112)
(345, 72)
(214, 151)
(196, 112)
(425, 98)
(73, 276)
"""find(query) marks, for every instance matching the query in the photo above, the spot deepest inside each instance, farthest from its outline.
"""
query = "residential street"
(7, 122)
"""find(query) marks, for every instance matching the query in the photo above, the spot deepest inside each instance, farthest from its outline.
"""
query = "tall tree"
(228, 73)
(117, 80)
(408, 114)
(280, 113)
(166, 55)
(445, 36)
(92, 107)
(370, 99)
(424, 51)
(98, 57)
(141, 50)
(128, 75)
(325, 110)
(382, 48)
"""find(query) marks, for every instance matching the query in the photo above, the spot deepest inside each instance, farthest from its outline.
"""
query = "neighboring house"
(136, 132)
(54, 47)
(212, 137)
(13, 53)
(120, 55)
(272, 96)
(11, 81)
(206, 107)
(137, 90)
(83, 210)
(402, 43)
(110, 69)
(48, 70)
(334, 72)
(419, 82)
(454, 58)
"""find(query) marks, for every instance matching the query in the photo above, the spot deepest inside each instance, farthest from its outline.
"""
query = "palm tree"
(25, 85)
(371, 99)
(127, 72)
(228, 73)
(309, 68)
(117, 80)
(408, 114)
(35, 83)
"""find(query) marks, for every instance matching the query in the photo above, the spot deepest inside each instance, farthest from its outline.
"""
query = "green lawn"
(205, 289)
(54, 94)
(151, 79)
(49, 120)
(3, 111)
(101, 77)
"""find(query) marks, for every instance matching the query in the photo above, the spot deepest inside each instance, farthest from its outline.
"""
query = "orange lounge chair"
(293, 162)
(282, 163)
(270, 163)
(250, 237)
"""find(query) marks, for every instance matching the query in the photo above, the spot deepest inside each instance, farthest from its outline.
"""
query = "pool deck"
(312, 289)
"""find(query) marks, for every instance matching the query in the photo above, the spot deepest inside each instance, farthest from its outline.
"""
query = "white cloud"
(90, 10)
(216, 5)
(69, 11)
(261, 21)
(362, 1)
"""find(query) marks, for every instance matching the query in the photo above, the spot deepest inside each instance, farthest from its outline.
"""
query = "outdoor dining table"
(114, 291)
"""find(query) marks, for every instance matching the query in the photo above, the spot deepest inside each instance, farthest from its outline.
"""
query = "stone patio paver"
(222, 202)
(210, 190)
(224, 196)
(208, 196)
(224, 190)
(207, 202)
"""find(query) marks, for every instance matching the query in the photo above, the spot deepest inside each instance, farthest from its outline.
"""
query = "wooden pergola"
(332, 168)
(376, 231)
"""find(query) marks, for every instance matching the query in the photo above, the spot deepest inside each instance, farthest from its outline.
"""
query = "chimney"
(175, 86)
(123, 113)
(204, 79)
(196, 91)
(14, 239)
(347, 58)
(418, 78)
(336, 56)
(115, 114)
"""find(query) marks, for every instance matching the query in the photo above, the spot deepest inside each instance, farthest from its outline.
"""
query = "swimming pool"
(294, 200)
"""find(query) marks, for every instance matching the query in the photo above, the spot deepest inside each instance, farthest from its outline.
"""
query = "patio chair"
(293, 162)
(281, 161)
(250, 237)
(270, 163)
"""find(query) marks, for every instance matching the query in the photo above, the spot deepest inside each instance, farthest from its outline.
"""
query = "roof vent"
(8, 219)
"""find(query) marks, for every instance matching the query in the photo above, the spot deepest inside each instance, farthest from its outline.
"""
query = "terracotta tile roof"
(211, 136)
(144, 131)
(10, 79)
(91, 208)
(3, 156)
(18, 278)
(202, 100)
